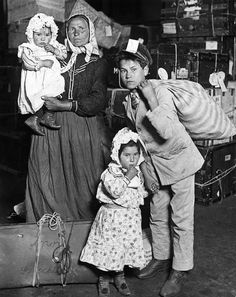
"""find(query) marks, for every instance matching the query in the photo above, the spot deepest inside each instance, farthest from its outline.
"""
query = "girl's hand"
(131, 173)
(148, 92)
(53, 104)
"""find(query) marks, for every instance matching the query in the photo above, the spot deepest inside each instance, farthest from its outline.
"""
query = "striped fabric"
(202, 117)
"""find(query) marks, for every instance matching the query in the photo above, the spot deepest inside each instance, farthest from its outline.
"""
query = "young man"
(173, 160)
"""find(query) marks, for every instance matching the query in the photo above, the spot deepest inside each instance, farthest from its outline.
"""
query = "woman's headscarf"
(88, 49)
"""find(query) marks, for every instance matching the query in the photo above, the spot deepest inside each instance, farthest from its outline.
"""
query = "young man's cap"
(141, 52)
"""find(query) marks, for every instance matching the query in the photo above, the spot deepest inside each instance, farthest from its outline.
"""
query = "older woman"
(65, 166)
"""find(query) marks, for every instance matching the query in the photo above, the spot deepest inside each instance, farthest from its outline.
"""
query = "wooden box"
(23, 9)
(217, 177)
(115, 112)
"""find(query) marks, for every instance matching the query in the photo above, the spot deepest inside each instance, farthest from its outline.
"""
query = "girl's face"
(129, 157)
(78, 31)
(131, 73)
(42, 37)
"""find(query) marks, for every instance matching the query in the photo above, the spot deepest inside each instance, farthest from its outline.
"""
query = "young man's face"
(42, 37)
(131, 73)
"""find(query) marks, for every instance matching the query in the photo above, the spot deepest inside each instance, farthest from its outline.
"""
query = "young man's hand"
(148, 92)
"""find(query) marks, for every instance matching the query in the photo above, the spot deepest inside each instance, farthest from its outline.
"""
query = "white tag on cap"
(108, 30)
(132, 46)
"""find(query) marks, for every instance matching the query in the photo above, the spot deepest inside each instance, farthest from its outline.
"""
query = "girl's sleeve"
(97, 100)
(163, 117)
(115, 184)
(28, 59)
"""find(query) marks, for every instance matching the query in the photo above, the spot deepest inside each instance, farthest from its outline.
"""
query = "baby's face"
(129, 157)
(131, 73)
(42, 37)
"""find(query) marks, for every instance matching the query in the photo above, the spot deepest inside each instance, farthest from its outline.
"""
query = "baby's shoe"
(103, 286)
(48, 120)
(120, 284)
(33, 123)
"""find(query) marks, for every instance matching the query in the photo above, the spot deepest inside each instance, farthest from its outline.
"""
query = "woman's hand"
(53, 104)
(148, 92)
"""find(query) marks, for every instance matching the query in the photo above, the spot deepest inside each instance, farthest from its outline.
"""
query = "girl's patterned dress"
(115, 239)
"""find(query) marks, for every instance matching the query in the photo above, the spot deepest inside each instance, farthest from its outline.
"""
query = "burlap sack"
(202, 117)
(107, 32)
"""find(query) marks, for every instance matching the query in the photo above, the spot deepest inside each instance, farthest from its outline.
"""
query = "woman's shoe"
(15, 218)
(103, 287)
(120, 284)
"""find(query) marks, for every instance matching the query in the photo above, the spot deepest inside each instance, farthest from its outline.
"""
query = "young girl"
(115, 239)
(41, 71)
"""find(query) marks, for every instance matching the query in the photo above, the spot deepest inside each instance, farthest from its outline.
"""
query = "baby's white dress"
(38, 83)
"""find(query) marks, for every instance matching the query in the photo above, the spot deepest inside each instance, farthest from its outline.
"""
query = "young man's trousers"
(172, 223)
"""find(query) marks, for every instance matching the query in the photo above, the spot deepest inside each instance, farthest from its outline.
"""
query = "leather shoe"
(33, 123)
(153, 267)
(174, 283)
(48, 120)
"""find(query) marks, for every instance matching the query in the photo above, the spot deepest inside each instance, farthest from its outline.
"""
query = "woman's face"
(131, 73)
(42, 37)
(78, 31)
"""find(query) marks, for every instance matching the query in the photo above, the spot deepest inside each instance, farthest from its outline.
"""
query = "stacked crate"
(115, 113)
(24, 9)
(198, 17)
(19, 13)
(217, 177)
